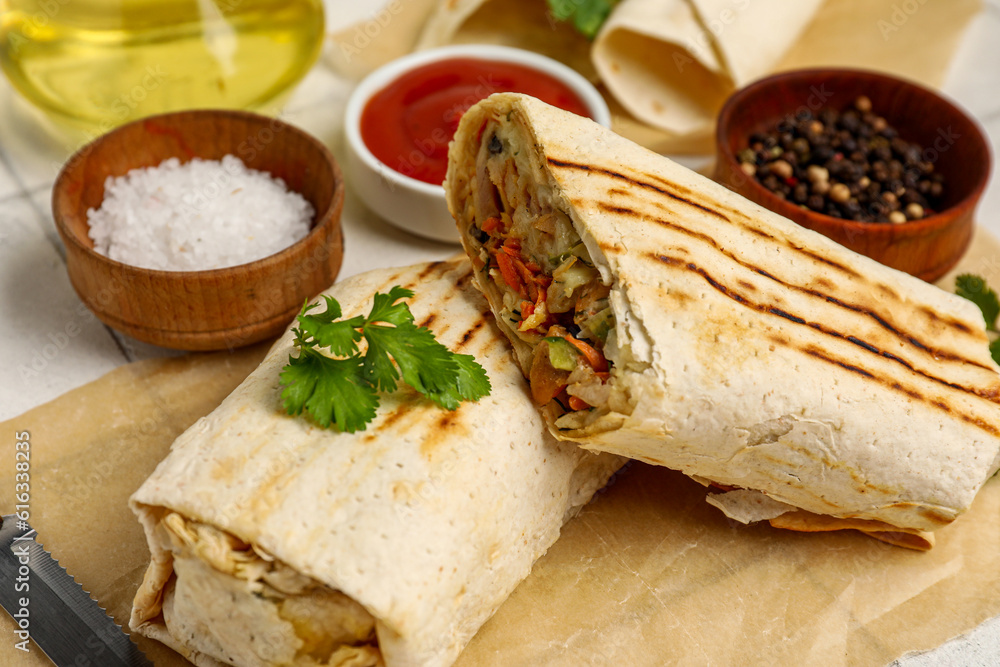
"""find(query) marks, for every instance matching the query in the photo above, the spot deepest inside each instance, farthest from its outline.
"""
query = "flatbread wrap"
(276, 542)
(523, 24)
(672, 63)
(659, 316)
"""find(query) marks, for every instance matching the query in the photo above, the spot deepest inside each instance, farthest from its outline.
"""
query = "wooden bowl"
(218, 308)
(926, 248)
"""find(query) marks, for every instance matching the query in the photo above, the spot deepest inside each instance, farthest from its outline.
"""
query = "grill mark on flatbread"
(412, 282)
(867, 346)
(397, 413)
(635, 181)
(447, 425)
(935, 402)
(746, 223)
(823, 283)
(781, 313)
(860, 310)
(431, 268)
(620, 210)
(933, 316)
(822, 259)
(824, 356)
(467, 336)
(821, 355)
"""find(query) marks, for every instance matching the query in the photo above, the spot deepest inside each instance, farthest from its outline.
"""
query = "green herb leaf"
(562, 10)
(426, 365)
(975, 289)
(333, 391)
(342, 389)
(587, 15)
(340, 337)
(473, 383)
(388, 308)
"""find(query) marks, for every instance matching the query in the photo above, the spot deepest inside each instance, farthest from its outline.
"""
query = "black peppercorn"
(850, 164)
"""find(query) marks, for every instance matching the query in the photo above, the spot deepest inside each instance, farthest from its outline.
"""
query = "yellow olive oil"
(95, 64)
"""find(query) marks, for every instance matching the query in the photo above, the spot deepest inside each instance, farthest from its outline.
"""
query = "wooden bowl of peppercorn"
(884, 166)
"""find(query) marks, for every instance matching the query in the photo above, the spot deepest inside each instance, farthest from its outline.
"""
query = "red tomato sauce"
(408, 124)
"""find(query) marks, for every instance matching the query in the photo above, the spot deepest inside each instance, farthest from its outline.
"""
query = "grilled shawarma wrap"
(276, 542)
(659, 316)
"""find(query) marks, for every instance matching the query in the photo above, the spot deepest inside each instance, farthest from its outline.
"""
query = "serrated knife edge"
(64, 620)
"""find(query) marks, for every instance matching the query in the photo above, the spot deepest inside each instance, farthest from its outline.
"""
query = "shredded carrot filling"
(596, 360)
(526, 278)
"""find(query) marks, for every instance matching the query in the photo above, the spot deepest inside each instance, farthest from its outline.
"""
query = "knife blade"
(53, 610)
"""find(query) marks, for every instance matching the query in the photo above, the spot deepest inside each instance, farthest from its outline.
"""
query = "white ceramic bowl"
(413, 205)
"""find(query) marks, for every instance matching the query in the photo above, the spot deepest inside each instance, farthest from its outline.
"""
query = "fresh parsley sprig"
(587, 15)
(342, 387)
(975, 289)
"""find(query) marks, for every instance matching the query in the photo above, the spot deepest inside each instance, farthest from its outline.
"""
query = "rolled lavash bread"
(821, 389)
(277, 542)
(668, 63)
(672, 63)
(523, 24)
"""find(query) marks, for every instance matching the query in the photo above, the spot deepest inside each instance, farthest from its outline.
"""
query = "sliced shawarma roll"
(277, 542)
(659, 316)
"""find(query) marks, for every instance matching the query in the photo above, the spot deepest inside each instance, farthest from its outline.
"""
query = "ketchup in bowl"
(408, 124)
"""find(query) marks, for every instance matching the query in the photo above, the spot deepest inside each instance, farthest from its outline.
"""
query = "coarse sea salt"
(203, 214)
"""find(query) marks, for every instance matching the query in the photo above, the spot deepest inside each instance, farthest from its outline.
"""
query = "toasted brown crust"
(807, 522)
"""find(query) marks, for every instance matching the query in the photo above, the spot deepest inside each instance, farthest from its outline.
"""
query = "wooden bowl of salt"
(194, 308)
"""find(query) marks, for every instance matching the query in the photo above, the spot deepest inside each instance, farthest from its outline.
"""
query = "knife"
(52, 610)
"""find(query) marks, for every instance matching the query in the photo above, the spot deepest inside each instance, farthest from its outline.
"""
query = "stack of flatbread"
(668, 65)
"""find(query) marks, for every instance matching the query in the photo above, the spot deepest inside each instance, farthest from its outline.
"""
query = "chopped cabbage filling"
(541, 270)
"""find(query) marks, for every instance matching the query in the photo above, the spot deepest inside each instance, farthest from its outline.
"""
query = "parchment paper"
(647, 574)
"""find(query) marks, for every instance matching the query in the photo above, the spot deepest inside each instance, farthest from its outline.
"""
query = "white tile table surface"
(50, 343)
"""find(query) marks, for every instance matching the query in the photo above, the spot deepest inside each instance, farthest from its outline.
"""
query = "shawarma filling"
(551, 295)
(237, 603)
